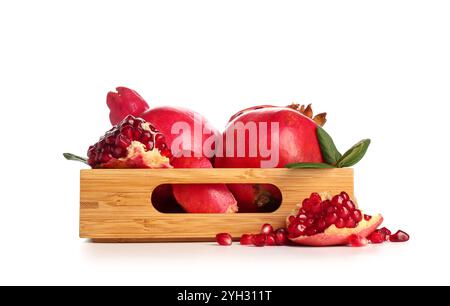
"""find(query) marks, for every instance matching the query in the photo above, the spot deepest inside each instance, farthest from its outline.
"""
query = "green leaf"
(329, 151)
(354, 154)
(309, 166)
(70, 156)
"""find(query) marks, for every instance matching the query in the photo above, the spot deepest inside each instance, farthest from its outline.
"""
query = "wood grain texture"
(115, 204)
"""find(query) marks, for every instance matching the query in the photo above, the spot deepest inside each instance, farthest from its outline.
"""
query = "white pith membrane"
(153, 158)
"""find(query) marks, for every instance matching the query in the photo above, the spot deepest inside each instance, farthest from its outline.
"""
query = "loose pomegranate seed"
(246, 239)
(271, 240)
(266, 229)
(399, 236)
(259, 240)
(224, 239)
(357, 241)
(367, 217)
(280, 236)
(385, 231)
(377, 237)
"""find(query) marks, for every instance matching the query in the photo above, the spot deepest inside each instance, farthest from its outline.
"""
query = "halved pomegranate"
(133, 143)
(323, 220)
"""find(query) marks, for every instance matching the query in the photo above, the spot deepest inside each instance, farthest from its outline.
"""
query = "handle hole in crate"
(251, 198)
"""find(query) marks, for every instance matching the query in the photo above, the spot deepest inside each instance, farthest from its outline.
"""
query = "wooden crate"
(115, 204)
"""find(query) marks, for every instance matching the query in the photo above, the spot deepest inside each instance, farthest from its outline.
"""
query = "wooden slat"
(115, 204)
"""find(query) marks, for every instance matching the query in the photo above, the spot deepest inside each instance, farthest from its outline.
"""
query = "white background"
(381, 69)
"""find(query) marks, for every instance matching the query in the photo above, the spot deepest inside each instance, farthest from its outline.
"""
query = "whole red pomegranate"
(128, 102)
(294, 140)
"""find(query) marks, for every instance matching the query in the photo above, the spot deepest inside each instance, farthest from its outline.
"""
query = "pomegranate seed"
(331, 219)
(344, 195)
(377, 237)
(316, 209)
(350, 223)
(271, 240)
(291, 219)
(331, 210)
(356, 215)
(320, 224)
(266, 229)
(311, 231)
(302, 218)
(385, 231)
(306, 205)
(122, 142)
(246, 239)
(340, 223)
(367, 217)
(357, 241)
(399, 236)
(224, 239)
(127, 131)
(342, 212)
(280, 236)
(309, 222)
(259, 240)
(350, 205)
(315, 198)
(299, 230)
(337, 200)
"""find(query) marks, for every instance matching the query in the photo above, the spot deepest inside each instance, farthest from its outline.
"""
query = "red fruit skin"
(127, 101)
(297, 143)
(256, 197)
(202, 198)
(297, 139)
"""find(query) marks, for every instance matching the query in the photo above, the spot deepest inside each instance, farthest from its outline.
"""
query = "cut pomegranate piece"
(357, 241)
(133, 143)
(399, 236)
(246, 239)
(224, 239)
(326, 220)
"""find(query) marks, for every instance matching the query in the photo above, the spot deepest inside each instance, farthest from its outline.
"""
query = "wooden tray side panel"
(115, 205)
